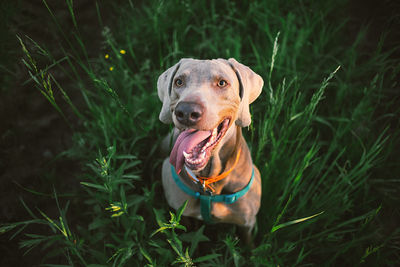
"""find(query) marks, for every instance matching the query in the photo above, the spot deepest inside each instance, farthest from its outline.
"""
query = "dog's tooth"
(186, 155)
(215, 131)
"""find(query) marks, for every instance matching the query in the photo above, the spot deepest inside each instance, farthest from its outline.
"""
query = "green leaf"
(275, 228)
(96, 186)
(126, 157)
(176, 246)
(180, 211)
(162, 228)
(194, 238)
(159, 216)
(182, 227)
(207, 257)
(146, 255)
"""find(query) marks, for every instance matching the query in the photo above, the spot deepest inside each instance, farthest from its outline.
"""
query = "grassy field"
(325, 136)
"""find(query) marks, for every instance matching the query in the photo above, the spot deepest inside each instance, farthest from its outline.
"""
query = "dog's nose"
(188, 113)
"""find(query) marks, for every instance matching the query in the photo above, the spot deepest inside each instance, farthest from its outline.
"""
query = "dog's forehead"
(206, 69)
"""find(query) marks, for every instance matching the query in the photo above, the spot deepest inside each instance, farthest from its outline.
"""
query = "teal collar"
(205, 200)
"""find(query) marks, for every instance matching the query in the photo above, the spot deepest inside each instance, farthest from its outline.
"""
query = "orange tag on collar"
(206, 181)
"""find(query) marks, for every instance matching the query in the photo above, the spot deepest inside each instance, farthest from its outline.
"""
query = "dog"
(210, 164)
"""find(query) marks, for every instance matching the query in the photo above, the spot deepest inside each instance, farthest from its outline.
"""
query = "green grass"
(322, 136)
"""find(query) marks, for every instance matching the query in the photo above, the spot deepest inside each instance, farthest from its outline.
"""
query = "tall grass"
(315, 138)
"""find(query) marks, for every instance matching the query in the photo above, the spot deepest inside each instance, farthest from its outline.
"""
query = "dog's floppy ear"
(250, 86)
(164, 87)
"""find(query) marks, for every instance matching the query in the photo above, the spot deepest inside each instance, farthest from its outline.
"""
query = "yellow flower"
(114, 207)
(122, 51)
(107, 56)
(111, 68)
(117, 214)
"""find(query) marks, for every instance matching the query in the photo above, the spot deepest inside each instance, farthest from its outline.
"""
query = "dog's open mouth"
(194, 147)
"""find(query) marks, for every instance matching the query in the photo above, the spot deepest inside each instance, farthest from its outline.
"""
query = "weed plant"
(317, 138)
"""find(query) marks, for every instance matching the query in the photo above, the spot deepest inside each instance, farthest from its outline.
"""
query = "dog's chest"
(219, 212)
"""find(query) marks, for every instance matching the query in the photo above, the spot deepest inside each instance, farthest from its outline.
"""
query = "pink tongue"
(186, 141)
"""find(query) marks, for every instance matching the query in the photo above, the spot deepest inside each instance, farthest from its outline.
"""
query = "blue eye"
(178, 82)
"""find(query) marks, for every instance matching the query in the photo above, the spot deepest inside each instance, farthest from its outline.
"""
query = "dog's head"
(203, 98)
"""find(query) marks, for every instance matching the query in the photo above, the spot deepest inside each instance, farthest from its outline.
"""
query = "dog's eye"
(178, 82)
(222, 83)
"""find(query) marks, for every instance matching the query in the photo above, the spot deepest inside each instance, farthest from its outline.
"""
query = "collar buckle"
(203, 188)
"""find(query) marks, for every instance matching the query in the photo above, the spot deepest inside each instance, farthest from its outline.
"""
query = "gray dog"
(210, 164)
